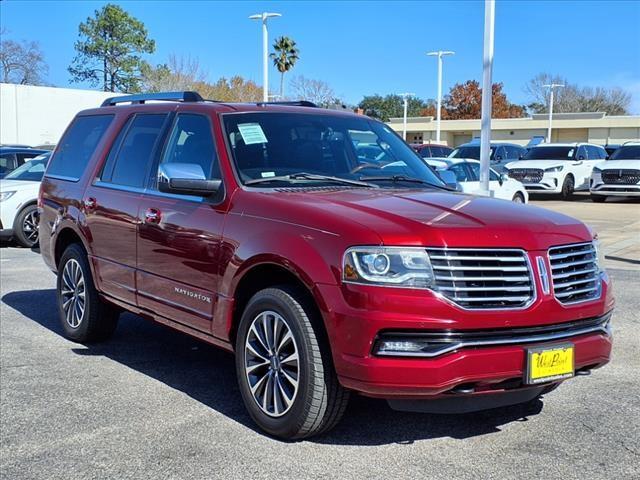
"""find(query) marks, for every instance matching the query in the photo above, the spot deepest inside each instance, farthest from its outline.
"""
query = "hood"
(18, 185)
(538, 163)
(619, 164)
(425, 218)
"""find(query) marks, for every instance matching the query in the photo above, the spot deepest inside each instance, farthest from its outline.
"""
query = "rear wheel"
(26, 226)
(284, 368)
(518, 198)
(598, 198)
(568, 187)
(84, 316)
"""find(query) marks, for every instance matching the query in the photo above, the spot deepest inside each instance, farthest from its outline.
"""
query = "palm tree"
(284, 58)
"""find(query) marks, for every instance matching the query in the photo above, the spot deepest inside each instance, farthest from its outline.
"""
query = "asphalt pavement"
(155, 404)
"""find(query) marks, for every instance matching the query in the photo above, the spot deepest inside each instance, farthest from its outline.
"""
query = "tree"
(22, 63)
(284, 57)
(390, 106)
(464, 101)
(573, 98)
(109, 50)
(315, 91)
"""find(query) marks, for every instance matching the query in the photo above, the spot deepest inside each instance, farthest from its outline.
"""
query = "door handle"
(152, 215)
(90, 203)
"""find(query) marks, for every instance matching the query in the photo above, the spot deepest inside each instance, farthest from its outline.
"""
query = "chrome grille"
(574, 271)
(483, 278)
(621, 176)
(526, 175)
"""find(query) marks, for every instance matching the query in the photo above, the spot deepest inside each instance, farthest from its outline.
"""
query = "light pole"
(405, 101)
(487, 71)
(265, 51)
(439, 54)
(551, 86)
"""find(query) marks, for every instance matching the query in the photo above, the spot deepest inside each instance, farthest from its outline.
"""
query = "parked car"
(18, 201)
(11, 157)
(558, 168)
(619, 175)
(429, 150)
(467, 173)
(257, 228)
(500, 153)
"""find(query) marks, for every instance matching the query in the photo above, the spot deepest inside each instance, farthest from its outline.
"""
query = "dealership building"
(596, 127)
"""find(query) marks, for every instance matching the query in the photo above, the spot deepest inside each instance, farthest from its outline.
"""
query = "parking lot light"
(265, 50)
(439, 54)
(551, 87)
(405, 101)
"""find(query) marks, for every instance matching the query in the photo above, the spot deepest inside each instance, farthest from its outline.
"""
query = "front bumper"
(356, 317)
(598, 187)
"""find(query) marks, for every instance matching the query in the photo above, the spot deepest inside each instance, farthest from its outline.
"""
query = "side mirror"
(186, 179)
(503, 178)
(449, 178)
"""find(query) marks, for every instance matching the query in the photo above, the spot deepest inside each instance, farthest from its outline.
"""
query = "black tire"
(98, 319)
(518, 198)
(598, 198)
(25, 226)
(319, 400)
(568, 187)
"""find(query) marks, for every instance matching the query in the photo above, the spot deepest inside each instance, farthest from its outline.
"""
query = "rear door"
(112, 201)
(179, 236)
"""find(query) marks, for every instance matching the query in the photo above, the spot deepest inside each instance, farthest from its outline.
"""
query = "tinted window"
(33, 170)
(472, 152)
(77, 146)
(7, 163)
(440, 151)
(135, 150)
(629, 152)
(593, 152)
(462, 174)
(191, 141)
(514, 153)
(551, 153)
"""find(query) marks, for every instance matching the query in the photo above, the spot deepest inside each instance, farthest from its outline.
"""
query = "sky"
(367, 47)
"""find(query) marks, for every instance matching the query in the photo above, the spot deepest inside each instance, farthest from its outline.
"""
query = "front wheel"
(518, 198)
(568, 187)
(284, 368)
(26, 226)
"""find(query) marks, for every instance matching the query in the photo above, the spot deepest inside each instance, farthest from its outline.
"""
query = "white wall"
(39, 115)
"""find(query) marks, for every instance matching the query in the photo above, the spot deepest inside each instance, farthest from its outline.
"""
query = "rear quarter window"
(77, 146)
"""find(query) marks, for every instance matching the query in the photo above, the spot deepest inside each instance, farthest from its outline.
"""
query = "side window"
(501, 153)
(7, 163)
(23, 157)
(132, 151)
(77, 146)
(191, 141)
(581, 154)
(602, 153)
(462, 174)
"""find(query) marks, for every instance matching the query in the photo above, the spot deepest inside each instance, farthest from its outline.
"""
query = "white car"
(559, 168)
(18, 201)
(467, 173)
(619, 175)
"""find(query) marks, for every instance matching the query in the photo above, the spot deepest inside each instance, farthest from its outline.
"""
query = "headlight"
(388, 266)
(599, 254)
(554, 169)
(5, 195)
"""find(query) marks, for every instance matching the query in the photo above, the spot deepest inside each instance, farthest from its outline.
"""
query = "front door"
(179, 235)
(112, 202)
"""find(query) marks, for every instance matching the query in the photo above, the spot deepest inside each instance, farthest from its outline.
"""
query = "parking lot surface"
(156, 404)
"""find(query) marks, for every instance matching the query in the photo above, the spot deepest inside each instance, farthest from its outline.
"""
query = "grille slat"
(621, 176)
(574, 271)
(483, 278)
(526, 175)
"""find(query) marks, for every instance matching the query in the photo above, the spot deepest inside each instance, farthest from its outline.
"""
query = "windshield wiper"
(403, 178)
(312, 177)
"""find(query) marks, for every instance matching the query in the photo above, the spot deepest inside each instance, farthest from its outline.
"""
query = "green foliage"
(284, 57)
(390, 106)
(109, 50)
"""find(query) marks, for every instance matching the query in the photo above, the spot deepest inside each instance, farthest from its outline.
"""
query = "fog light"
(395, 346)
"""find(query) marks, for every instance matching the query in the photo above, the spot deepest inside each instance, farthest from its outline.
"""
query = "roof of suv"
(570, 144)
(493, 144)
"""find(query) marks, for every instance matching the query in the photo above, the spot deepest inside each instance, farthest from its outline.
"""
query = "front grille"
(574, 271)
(483, 278)
(621, 176)
(526, 175)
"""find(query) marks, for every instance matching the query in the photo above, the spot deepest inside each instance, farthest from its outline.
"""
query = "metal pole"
(265, 60)
(550, 116)
(404, 123)
(487, 70)
(439, 96)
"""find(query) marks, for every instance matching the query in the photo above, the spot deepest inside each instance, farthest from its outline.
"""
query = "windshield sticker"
(268, 174)
(252, 133)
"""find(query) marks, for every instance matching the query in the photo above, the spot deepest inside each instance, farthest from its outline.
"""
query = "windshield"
(550, 153)
(629, 152)
(470, 152)
(272, 147)
(33, 170)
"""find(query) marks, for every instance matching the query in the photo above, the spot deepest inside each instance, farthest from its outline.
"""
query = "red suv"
(258, 228)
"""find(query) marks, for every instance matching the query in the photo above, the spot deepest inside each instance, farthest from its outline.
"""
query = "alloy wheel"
(30, 226)
(271, 363)
(73, 293)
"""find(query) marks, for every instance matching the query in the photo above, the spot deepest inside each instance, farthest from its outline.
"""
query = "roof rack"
(161, 96)
(294, 103)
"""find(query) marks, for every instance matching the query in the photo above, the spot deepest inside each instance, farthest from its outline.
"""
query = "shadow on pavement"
(207, 374)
